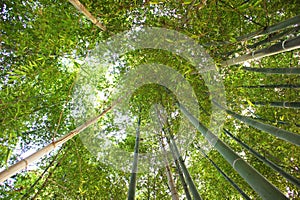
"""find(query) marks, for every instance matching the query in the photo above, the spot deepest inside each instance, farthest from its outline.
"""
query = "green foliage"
(36, 85)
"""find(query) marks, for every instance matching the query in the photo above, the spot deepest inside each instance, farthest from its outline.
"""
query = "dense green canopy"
(46, 46)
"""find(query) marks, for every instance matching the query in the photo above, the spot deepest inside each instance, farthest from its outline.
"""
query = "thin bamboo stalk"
(283, 104)
(186, 173)
(132, 184)
(83, 10)
(5, 174)
(270, 38)
(173, 190)
(291, 70)
(182, 180)
(174, 149)
(284, 86)
(225, 175)
(272, 50)
(261, 185)
(275, 167)
(277, 132)
(271, 29)
(179, 171)
(265, 31)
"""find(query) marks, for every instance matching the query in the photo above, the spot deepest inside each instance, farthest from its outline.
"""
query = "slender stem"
(132, 184)
(277, 132)
(186, 173)
(261, 185)
(283, 104)
(225, 176)
(272, 50)
(270, 86)
(173, 190)
(291, 70)
(275, 167)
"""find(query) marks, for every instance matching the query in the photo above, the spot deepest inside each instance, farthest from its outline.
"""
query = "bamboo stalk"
(186, 173)
(174, 149)
(182, 180)
(269, 39)
(265, 31)
(261, 185)
(284, 104)
(83, 10)
(277, 132)
(275, 167)
(5, 174)
(132, 184)
(271, 29)
(291, 70)
(272, 50)
(179, 171)
(173, 190)
(288, 86)
(225, 175)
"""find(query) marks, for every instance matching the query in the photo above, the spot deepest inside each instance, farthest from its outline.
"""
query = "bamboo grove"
(255, 48)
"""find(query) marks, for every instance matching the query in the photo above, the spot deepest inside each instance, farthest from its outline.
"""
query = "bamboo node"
(234, 162)
(282, 44)
(253, 55)
(26, 164)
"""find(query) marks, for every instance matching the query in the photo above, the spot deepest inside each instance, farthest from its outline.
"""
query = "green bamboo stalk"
(225, 175)
(271, 121)
(280, 104)
(272, 50)
(277, 132)
(173, 190)
(174, 149)
(22, 164)
(291, 70)
(261, 185)
(132, 184)
(185, 171)
(268, 30)
(275, 167)
(271, 29)
(274, 37)
(179, 171)
(283, 86)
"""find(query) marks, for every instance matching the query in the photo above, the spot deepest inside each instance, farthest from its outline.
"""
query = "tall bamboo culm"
(275, 167)
(272, 50)
(261, 185)
(277, 132)
(132, 183)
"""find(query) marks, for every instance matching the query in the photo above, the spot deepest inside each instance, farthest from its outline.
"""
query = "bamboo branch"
(271, 29)
(83, 10)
